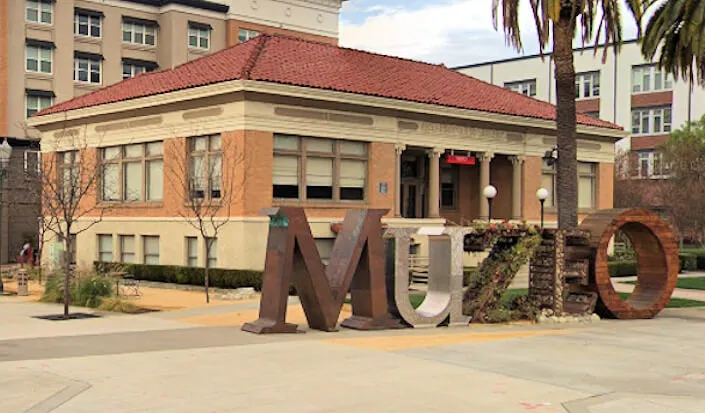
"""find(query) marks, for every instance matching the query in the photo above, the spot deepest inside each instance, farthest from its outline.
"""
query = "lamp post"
(542, 195)
(5, 153)
(489, 192)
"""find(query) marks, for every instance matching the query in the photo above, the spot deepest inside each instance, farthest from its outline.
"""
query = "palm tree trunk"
(567, 173)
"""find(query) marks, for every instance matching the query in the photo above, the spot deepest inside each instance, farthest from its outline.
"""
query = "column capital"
(435, 152)
(399, 148)
(485, 156)
(517, 160)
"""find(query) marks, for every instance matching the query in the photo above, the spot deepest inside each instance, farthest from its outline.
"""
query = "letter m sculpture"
(356, 265)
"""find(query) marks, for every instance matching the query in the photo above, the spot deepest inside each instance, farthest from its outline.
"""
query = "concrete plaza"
(199, 361)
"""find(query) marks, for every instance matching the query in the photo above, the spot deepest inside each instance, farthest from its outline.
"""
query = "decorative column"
(398, 150)
(485, 159)
(434, 182)
(517, 163)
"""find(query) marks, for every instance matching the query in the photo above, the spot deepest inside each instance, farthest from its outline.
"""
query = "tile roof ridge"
(249, 65)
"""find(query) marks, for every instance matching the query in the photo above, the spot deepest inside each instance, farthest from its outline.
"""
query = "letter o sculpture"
(657, 262)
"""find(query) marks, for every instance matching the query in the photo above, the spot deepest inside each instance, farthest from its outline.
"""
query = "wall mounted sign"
(383, 188)
(460, 159)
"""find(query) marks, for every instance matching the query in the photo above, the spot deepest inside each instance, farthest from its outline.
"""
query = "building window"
(139, 32)
(244, 35)
(38, 59)
(68, 171)
(525, 87)
(132, 172)
(651, 165)
(587, 184)
(150, 246)
(192, 251)
(127, 249)
(36, 101)
(587, 85)
(593, 114)
(39, 11)
(449, 186)
(199, 35)
(32, 162)
(650, 79)
(87, 23)
(651, 121)
(133, 67)
(206, 167)
(86, 70)
(105, 248)
(334, 169)
(212, 257)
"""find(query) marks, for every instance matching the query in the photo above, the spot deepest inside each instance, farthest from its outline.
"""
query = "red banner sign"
(460, 159)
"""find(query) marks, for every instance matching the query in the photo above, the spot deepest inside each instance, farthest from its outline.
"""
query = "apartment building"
(418, 140)
(625, 89)
(53, 51)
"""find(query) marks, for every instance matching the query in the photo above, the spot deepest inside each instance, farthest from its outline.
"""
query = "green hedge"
(468, 274)
(622, 268)
(688, 262)
(218, 277)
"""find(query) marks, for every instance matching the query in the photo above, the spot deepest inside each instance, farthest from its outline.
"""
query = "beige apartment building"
(52, 51)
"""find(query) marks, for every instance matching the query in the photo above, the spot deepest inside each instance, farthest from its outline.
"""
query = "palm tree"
(677, 31)
(561, 19)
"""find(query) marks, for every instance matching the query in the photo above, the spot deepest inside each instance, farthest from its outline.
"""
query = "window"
(139, 31)
(32, 161)
(36, 100)
(87, 23)
(651, 121)
(650, 78)
(206, 167)
(87, 69)
(593, 114)
(199, 35)
(39, 11)
(39, 57)
(525, 87)
(127, 249)
(244, 35)
(68, 169)
(132, 172)
(449, 184)
(105, 248)
(133, 67)
(192, 251)
(150, 246)
(587, 85)
(334, 169)
(587, 184)
(651, 165)
(212, 257)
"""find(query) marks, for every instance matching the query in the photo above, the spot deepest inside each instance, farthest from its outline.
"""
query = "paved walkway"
(167, 362)
(698, 295)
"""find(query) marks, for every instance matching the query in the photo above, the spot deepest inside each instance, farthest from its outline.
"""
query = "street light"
(5, 154)
(542, 195)
(489, 192)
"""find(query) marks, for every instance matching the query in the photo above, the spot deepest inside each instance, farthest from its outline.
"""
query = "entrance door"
(409, 199)
(413, 185)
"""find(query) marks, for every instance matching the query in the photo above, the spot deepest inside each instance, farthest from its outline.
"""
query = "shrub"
(469, 273)
(218, 277)
(622, 268)
(88, 291)
(119, 306)
(688, 262)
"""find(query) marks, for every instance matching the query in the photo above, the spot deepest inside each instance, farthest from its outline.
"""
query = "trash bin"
(22, 282)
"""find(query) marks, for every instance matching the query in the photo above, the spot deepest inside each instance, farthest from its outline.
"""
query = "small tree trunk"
(209, 244)
(567, 173)
(67, 275)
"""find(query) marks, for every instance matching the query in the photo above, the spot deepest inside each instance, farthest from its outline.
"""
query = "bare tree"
(203, 170)
(70, 177)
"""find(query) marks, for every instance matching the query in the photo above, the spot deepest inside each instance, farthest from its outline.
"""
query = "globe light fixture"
(489, 192)
(542, 195)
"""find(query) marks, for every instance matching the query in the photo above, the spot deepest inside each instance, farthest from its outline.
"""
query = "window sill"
(318, 203)
(141, 47)
(39, 75)
(40, 26)
(127, 204)
(86, 85)
(198, 50)
(204, 203)
(652, 91)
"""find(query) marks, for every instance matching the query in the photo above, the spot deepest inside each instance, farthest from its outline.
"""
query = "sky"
(453, 32)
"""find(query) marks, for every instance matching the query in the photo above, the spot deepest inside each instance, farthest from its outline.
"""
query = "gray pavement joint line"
(581, 405)
(73, 388)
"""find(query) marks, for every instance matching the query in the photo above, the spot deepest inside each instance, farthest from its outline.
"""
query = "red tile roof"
(303, 63)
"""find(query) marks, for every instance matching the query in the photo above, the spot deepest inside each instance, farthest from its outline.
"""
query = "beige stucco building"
(329, 130)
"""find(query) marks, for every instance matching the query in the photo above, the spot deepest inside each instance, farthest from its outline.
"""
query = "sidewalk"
(688, 294)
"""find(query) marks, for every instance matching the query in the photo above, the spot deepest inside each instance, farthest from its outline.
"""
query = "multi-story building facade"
(418, 140)
(624, 89)
(52, 51)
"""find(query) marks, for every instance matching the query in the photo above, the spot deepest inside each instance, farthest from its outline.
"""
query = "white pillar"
(398, 150)
(485, 159)
(434, 182)
(517, 163)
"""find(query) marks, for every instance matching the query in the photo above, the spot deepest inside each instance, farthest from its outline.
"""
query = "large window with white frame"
(132, 172)
(525, 87)
(39, 57)
(138, 31)
(587, 184)
(68, 165)
(133, 67)
(87, 23)
(39, 11)
(651, 164)
(87, 69)
(36, 100)
(127, 249)
(105, 247)
(650, 78)
(205, 167)
(449, 186)
(199, 35)
(150, 249)
(307, 168)
(192, 251)
(651, 121)
(587, 85)
(212, 256)
(244, 35)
